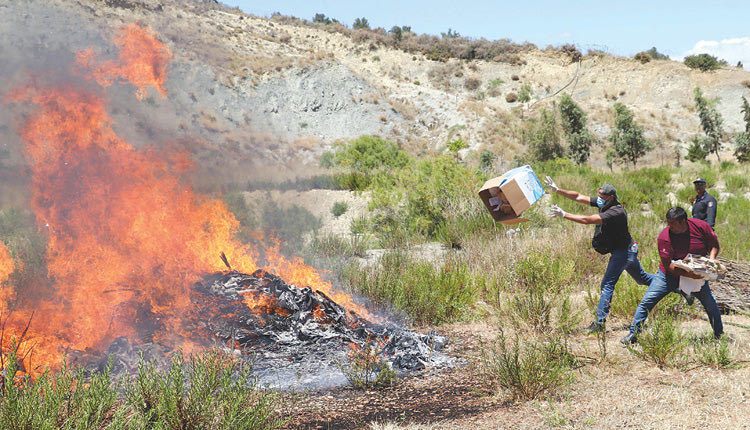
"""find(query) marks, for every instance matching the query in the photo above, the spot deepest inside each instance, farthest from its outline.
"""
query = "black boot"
(630, 339)
(595, 327)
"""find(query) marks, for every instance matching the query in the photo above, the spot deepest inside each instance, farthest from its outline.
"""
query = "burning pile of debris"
(128, 241)
(296, 337)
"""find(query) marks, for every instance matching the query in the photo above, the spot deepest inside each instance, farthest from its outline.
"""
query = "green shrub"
(737, 183)
(361, 23)
(527, 370)
(369, 153)
(662, 342)
(339, 208)
(414, 202)
(733, 228)
(702, 62)
(457, 145)
(713, 352)
(426, 293)
(63, 399)
(494, 83)
(644, 185)
(742, 147)
(355, 245)
(656, 55)
(542, 137)
(486, 159)
(542, 282)
(211, 391)
(697, 151)
(628, 138)
(366, 368)
(460, 226)
(524, 94)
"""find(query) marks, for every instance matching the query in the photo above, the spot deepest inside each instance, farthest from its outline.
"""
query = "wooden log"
(732, 292)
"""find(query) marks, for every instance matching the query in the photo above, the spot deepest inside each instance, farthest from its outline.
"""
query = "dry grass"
(626, 392)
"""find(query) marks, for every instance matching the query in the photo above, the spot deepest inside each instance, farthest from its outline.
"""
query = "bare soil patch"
(622, 392)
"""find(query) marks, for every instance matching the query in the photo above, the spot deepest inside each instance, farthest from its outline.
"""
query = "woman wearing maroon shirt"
(682, 236)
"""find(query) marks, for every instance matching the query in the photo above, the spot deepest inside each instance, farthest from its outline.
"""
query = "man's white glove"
(556, 211)
(551, 184)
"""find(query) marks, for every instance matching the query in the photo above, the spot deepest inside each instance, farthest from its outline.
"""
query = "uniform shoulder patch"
(710, 204)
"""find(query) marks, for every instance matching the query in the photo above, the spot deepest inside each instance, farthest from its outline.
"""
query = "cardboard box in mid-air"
(507, 196)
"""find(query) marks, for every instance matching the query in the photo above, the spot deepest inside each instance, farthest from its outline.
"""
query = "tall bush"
(742, 139)
(542, 137)
(711, 122)
(702, 62)
(573, 122)
(628, 140)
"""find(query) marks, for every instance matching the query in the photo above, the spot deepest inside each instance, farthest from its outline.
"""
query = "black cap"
(699, 181)
(608, 190)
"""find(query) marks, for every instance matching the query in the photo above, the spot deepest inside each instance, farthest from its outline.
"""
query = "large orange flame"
(126, 238)
(143, 61)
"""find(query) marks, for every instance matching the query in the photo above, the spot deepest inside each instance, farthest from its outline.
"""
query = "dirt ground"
(622, 391)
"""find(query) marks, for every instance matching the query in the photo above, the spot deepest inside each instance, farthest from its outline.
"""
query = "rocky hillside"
(260, 99)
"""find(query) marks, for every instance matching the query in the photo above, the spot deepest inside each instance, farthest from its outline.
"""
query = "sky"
(623, 28)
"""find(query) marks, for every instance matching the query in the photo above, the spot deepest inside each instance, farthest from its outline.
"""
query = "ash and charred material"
(298, 336)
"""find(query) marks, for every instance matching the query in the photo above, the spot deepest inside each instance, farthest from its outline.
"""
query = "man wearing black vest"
(611, 236)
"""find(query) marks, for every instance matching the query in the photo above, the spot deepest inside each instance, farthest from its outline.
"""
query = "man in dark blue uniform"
(704, 204)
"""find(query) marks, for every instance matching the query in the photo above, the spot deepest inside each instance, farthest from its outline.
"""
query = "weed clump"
(527, 370)
(366, 368)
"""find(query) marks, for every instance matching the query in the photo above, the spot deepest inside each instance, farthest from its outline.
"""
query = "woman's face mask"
(600, 202)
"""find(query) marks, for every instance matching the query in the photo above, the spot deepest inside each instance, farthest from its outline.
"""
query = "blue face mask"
(600, 202)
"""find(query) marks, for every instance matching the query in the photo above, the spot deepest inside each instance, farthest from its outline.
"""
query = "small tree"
(524, 94)
(746, 114)
(656, 55)
(703, 62)
(397, 33)
(627, 137)
(451, 34)
(711, 122)
(361, 23)
(697, 150)
(542, 137)
(322, 19)
(742, 147)
(456, 145)
(573, 122)
(742, 139)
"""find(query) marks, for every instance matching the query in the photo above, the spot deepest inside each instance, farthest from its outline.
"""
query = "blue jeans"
(618, 261)
(664, 284)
